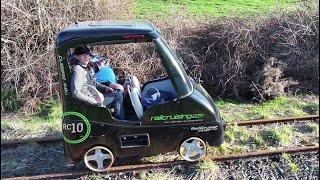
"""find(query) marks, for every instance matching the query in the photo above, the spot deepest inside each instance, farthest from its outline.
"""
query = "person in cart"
(104, 72)
(85, 88)
(106, 76)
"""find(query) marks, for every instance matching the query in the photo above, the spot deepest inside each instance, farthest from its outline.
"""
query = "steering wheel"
(134, 83)
(135, 101)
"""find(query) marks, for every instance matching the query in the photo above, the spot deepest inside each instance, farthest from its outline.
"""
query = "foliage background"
(258, 58)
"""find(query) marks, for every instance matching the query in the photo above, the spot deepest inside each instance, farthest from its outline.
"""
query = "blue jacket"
(106, 74)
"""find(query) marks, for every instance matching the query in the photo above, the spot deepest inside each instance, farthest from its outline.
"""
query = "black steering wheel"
(135, 101)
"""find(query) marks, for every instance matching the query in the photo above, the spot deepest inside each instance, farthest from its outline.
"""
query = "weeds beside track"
(78, 174)
(234, 155)
(240, 123)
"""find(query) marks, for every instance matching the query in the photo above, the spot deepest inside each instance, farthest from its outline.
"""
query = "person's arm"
(116, 86)
(77, 84)
(103, 88)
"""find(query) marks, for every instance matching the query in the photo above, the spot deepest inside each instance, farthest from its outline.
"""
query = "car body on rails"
(187, 123)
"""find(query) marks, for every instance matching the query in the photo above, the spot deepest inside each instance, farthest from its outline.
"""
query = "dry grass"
(240, 139)
(258, 59)
(28, 32)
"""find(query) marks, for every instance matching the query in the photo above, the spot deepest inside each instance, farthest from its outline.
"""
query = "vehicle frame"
(189, 122)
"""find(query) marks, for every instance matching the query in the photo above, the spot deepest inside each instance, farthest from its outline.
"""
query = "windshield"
(174, 68)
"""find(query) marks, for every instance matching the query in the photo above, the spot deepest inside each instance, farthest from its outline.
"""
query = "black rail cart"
(187, 123)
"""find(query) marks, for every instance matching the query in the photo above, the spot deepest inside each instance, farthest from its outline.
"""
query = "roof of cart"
(96, 29)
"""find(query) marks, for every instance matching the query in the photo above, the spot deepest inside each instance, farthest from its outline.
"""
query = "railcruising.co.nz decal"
(178, 118)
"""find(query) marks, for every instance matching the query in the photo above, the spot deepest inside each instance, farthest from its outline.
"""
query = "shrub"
(258, 59)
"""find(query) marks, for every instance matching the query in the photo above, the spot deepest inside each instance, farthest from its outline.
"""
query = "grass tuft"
(171, 156)
(313, 127)
(237, 133)
(206, 164)
(227, 148)
(293, 166)
(206, 169)
(94, 177)
(155, 176)
(278, 136)
(159, 175)
(258, 140)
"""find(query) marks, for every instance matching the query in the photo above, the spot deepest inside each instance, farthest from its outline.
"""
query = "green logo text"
(177, 117)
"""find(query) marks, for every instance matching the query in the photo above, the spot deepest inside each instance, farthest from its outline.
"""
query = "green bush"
(51, 109)
(9, 100)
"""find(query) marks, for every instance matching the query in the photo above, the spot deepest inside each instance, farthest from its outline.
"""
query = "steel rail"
(274, 120)
(51, 139)
(239, 123)
(173, 163)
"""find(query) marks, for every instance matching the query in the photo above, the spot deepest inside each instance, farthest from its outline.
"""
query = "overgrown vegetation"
(48, 123)
(240, 139)
(259, 57)
(9, 100)
(284, 106)
(28, 32)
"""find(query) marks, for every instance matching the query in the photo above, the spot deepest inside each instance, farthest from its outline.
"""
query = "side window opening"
(142, 61)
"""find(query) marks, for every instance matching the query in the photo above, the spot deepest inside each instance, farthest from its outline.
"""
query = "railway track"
(140, 167)
(240, 123)
(26, 141)
(275, 120)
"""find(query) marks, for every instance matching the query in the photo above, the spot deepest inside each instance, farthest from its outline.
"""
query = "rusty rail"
(171, 164)
(239, 123)
(275, 120)
(25, 141)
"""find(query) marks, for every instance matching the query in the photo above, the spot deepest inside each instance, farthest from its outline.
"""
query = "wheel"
(98, 158)
(193, 149)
